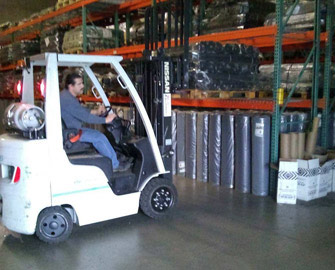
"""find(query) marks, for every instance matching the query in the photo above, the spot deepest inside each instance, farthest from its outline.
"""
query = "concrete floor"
(212, 228)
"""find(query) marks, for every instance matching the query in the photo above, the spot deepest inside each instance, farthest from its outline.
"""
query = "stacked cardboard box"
(305, 180)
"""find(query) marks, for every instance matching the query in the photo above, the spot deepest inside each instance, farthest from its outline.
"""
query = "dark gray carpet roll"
(181, 143)
(294, 121)
(331, 136)
(202, 146)
(214, 148)
(242, 153)
(227, 150)
(303, 120)
(284, 123)
(191, 144)
(174, 141)
(260, 154)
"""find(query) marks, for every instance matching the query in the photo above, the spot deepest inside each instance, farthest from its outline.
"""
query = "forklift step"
(123, 182)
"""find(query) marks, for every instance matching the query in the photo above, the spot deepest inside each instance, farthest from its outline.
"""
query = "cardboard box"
(330, 164)
(287, 182)
(326, 179)
(308, 179)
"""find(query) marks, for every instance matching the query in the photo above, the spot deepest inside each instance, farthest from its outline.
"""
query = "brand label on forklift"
(167, 105)
(166, 77)
(259, 130)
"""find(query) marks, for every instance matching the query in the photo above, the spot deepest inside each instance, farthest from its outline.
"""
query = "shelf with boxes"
(262, 38)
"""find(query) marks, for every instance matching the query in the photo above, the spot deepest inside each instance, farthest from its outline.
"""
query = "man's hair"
(70, 79)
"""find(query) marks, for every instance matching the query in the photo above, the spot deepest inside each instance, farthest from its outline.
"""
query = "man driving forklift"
(74, 115)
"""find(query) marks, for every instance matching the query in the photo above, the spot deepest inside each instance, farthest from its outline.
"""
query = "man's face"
(78, 87)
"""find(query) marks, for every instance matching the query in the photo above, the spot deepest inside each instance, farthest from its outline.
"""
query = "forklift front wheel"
(54, 225)
(158, 197)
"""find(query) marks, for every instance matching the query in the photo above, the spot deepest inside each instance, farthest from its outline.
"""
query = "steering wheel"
(119, 128)
(108, 109)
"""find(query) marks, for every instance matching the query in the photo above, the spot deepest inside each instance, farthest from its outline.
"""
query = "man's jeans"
(100, 143)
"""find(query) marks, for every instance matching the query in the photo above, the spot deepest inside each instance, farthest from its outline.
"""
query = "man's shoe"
(123, 166)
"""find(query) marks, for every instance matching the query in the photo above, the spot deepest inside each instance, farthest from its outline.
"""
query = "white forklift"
(46, 186)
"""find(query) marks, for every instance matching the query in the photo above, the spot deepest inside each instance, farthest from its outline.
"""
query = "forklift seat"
(71, 143)
(104, 163)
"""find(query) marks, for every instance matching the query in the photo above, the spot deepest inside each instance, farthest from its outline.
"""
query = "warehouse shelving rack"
(267, 39)
(315, 53)
(261, 37)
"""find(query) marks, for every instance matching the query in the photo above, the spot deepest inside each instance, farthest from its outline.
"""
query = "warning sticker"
(167, 105)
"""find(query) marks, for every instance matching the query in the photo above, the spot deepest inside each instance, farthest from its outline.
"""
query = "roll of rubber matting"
(191, 144)
(294, 121)
(260, 154)
(174, 140)
(284, 123)
(331, 136)
(214, 148)
(227, 149)
(181, 143)
(242, 153)
(303, 119)
(202, 146)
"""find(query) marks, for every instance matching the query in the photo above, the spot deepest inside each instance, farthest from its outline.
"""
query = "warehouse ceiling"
(15, 10)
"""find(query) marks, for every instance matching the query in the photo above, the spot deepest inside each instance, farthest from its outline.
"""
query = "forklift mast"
(162, 70)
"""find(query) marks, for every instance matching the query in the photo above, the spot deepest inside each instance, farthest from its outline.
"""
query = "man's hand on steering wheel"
(110, 118)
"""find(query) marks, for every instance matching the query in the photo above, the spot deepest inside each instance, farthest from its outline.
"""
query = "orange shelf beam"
(47, 16)
(216, 103)
(7, 68)
(121, 100)
(126, 7)
(261, 37)
(243, 104)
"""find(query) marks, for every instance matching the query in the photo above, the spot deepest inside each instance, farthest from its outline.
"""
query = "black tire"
(54, 225)
(158, 198)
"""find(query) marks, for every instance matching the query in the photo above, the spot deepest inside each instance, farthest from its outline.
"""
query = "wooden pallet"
(264, 94)
(74, 51)
(300, 94)
(203, 94)
(238, 94)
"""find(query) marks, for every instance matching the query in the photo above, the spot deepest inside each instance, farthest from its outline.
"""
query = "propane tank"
(24, 117)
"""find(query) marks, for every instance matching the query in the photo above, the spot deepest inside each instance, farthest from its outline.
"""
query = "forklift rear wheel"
(158, 197)
(54, 225)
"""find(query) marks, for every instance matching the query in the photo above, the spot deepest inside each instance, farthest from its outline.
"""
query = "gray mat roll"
(214, 148)
(202, 146)
(242, 153)
(318, 140)
(191, 144)
(227, 150)
(174, 140)
(181, 143)
(332, 131)
(303, 119)
(284, 123)
(294, 121)
(260, 155)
